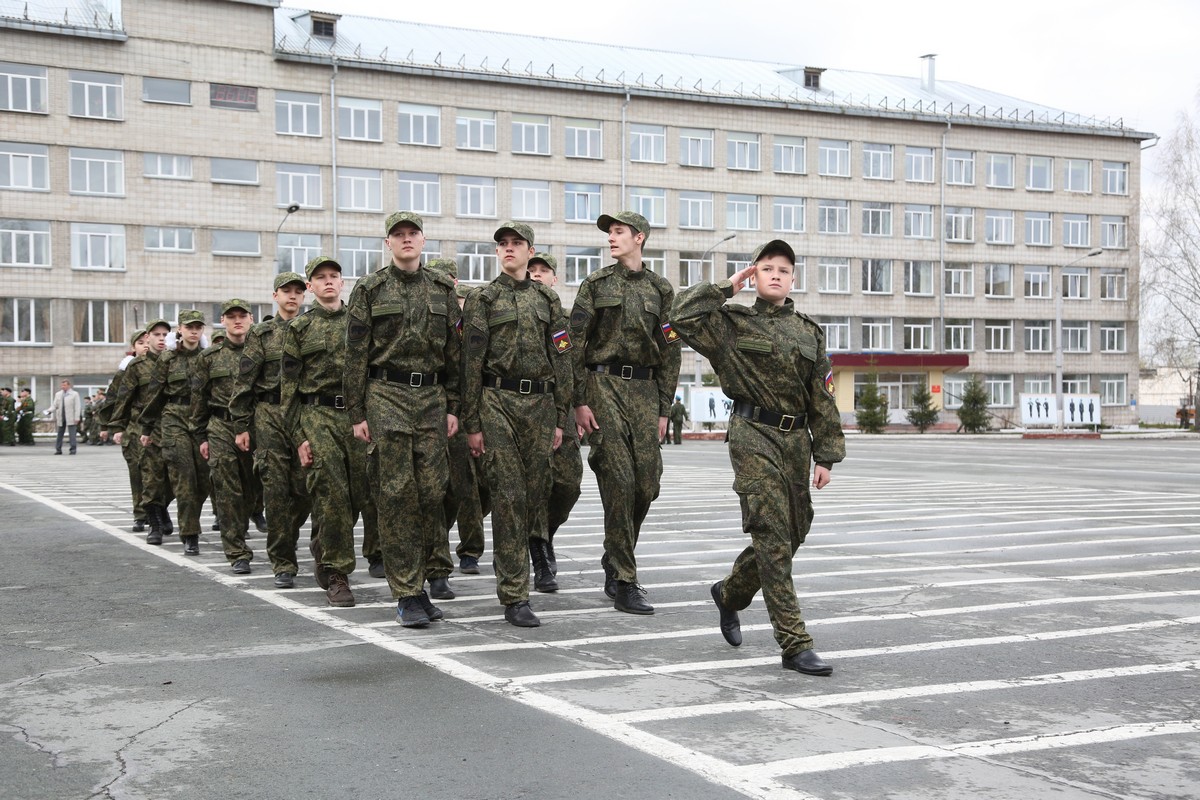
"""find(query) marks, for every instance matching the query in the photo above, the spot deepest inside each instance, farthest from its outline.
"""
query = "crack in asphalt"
(105, 791)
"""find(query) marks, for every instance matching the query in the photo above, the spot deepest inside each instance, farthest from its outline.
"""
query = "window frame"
(833, 158)
(112, 93)
(431, 124)
(306, 105)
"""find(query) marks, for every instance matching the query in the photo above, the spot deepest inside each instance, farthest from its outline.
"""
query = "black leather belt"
(327, 400)
(220, 413)
(626, 371)
(179, 401)
(521, 385)
(274, 398)
(783, 422)
(413, 379)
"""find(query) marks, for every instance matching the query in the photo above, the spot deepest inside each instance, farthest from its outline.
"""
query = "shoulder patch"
(579, 317)
(669, 333)
(562, 341)
(247, 365)
(829, 381)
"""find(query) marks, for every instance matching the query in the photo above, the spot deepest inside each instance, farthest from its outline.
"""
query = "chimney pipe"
(929, 77)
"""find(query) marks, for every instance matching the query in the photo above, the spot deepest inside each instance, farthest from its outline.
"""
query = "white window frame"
(788, 214)
(582, 202)
(1077, 230)
(96, 246)
(166, 239)
(24, 167)
(696, 210)
(650, 203)
(876, 219)
(998, 281)
(1039, 384)
(23, 88)
(360, 189)
(360, 119)
(297, 114)
(695, 147)
(837, 333)
(833, 217)
(151, 86)
(1037, 282)
(833, 275)
(1077, 175)
(918, 165)
(222, 237)
(918, 335)
(298, 184)
(475, 129)
(531, 134)
(1076, 336)
(359, 255)
(694, 268)
(1038, 336)
(531, 200)
(108, 315)
(1000, 390)
(477, 262)
(102, 172)
(1112, 337)
(420, 192)
(877, 334)
(999, 226)
(918, 278)
(579, 262)
(998, 335)
(960, 168)
(1039, 174)
(241, 162)
(28, 319)
(1114, 390)
(958, 280)
(1075, 283)
(476, 196)
(1113, 284)
(584, 138)
(791, 154)
(647, 143)
(1114, 233)
(1001, 171)
(1039, 229)
(743, 212)
(422, 125)
(876, 276)
(960, 224)
(25, 243)
(833, 158)
(918, 221)
(959, 336)
(743, 151)
(167, 166)
(1115, 177)
(96, 95)
(878, 162)
(294, 250)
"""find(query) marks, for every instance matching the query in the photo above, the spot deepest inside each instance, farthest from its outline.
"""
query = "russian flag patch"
(562, 341)
(669, 333)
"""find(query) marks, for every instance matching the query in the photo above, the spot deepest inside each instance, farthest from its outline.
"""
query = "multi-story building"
(164, 155)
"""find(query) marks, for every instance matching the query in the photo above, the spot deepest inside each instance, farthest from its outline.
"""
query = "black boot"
(154, 517)
(191, 545)
(550, 558)
(543, 579)
(167, 526)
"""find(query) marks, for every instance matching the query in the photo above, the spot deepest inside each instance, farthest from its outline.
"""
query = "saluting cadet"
(771, 361)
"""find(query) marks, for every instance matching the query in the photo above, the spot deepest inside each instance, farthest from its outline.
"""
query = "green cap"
(139, 333)
(154, 323)
(630, 218)
(284, 278)
(446, 265)
(190, 316)
(546, 259)
(320, 261)
(218, 335)
(404, 216)
(519, 228)
(230, 305)
(774, 247)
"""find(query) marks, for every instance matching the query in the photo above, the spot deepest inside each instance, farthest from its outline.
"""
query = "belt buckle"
(339, 402)
(416, 379)
(626, 371)
(789, 420)
(525, 386)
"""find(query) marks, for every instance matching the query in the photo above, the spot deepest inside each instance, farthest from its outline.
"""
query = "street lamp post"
(1058, 343)
(292, 209)
(704, 255)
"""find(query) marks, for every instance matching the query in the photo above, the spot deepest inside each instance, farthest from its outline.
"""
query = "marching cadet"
(626, 368)
(25, 410)
(401, 384)
(514, 405)
(771, 361)
(139, 343)
(8, 417)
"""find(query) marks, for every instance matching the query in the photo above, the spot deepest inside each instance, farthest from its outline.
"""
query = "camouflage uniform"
(566, 464)
(8, 420)
(772, 359)
(128, 451)
(25, 411)
(677, 415)
(515, 390)
(133, 394)
(468, 500)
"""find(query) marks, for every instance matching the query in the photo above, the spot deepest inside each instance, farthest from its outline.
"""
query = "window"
(655, 261)
(167, 166)
(1078, 176)
(695, 147)
(297, 114)
(419, 124)
(876, 334)
(1112, 390)
(234, 170)
(997, 280)
(531, 200)
(833, 275)
(877, 219)
(998, 334)
(877, 162)
(1075, 283)
(960, 224)
(531, 134)
(1113, 232)
(959, 336)
(833, 158)
(1040, 177)
(165, 90)
(918, 335)
(742, 151)
(583, 138)
(235, 243)
(25, 167)
(1000, 170)
(1077, 230)
(998, 227)
(833, 216)
(1112, 284)
(1075, 336)
(97, 95)
(742, 212)
(651, 204)
(24, 243)
(99, 322)
(918, 278)
(24, 321)
(1076, 384)
(960, 280)
(788, 214)
(476, 197)
(648, 143)
(953, 388)
(876, 276)
(1115, 175)
(837, 333)
(790, 154)
(799, 275)
(960, 167)
(420, 192)
(294, 250)
(475, 130)
(1037, 283)
(918, 222)
(22, 88)
(1000, 390)
(1038, 384)
(1037, 336)
(360, 119)
(581, 262)
(1112, 337)
(694, 268)
(359, 255)
(237, 98)
(360, 189)
(582, 202)
(298, 183)
(171, 240)
(97, 171)
(918, 164)
(696, 210)
(95, 246)
(1038, 232)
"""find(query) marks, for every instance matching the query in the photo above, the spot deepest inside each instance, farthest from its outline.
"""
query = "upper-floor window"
(96, 246)
(1040, 175)
(742, 212)
(167, 166)
(419, 124)
(583, 138)
(743, 151)
(236, 243)
(837, 333)
(420, 192)
(1112, 284)
(918, 164)
(998, 226)
(1078, 176)
(531, 134)
(959, 280)
(1113, 232)
(876, 333)
(359, 255)
(833, 216)
(237, 98)
(918, 278)
(648, 143)
(24, 320)
(788, 214)
(25, 167)
(918, 335)
(833, 158)
(833, 275)
(877, 219)
(918, 221)
(877, 276)
(234, 170)
(1076, 336)
(24, 243)
(1037, 282)
(960, 224)
(172, 240)
(97, 171)
(1075, 283)
(98, 95)
(531, 200)
(475, 130)
(696, 210)
(695, 147)
(998, 334)
(1077, 230)
(790, 154)
(651, 204)
(581, 262)
(877, 162)
(581, 202)
(1037, 336)
(22, 88)
(477, 261)
(998, 280)
(299, 184)
(294, 250)
(476, 196)
(99, 321)
(959, 338)
(360, 189)
(960, 167)
(360, 119)
(297, 114)
(1115, 176)
(1000, 170)
(1037, 229)
(166, 90)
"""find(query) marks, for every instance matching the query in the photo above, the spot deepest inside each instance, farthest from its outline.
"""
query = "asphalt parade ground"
(1005, 619)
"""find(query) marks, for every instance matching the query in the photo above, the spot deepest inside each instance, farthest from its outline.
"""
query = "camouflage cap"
(547, 259)
(320, 261)
(284, 278)
(519, 228)
(446, 265)
(191, 316)
(139, 333)
(630, 218)
(403, 216)
(774, 247)
(230, 305)
(154, 323)
(464, 290)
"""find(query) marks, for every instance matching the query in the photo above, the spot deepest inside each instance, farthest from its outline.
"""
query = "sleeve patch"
(357, 331)
(829, 383)
(669, 333)
(579, 318)
(562, 341)
(458, 326)
(247, 365)
(477, 342)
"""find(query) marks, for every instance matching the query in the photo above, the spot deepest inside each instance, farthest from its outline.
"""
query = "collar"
(631, 274)
(771, 310)
(325, 313)
(504, 279)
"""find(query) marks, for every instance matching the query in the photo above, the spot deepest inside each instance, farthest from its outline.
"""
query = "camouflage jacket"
(213, 382)
(131, 390)
(171, 380)
(314, 352)
(258, 371)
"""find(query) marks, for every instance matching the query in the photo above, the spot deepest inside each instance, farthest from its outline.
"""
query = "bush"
(871, 411)
(924, 414)
(973, 416)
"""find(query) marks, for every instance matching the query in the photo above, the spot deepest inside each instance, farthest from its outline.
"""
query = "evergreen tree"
(871, 412)
(973, 416)
(923, 414)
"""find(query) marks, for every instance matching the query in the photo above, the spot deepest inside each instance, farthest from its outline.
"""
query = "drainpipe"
(624, 145)
(941, 234)
(333, 138)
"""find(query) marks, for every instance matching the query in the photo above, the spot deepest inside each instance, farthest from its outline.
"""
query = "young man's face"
(541, 273)
(405, 242)
(190, 334)
(624, 241)
(141, 346)
(513, 252)
(24, 394)
(773, 278)
(156, 339)
(289, 297)
(237, 322)
(326, 283)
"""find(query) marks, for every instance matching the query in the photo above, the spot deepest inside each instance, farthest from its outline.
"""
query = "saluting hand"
(741, 277)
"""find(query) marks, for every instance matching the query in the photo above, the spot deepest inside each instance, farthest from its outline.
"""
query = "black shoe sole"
(640, 612)
(823, 672)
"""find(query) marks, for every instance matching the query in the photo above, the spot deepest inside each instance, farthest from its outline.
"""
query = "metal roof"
(98, 15)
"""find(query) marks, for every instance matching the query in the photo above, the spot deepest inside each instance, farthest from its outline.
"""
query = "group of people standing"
(16, 417)
(421, 402)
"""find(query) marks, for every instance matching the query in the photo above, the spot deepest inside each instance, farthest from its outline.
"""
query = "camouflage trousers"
(677, 432)
(518, 435)
(339, 485)
(467, 502)
(131, 451)
(409, 475)
(8, 429)
(627, 461)
(771, 474)
(284, 493)
(25, 430)
(232, 473)
(186, 470)
(566, 467)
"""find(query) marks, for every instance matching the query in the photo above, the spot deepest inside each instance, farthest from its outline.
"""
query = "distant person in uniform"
(678, 415)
